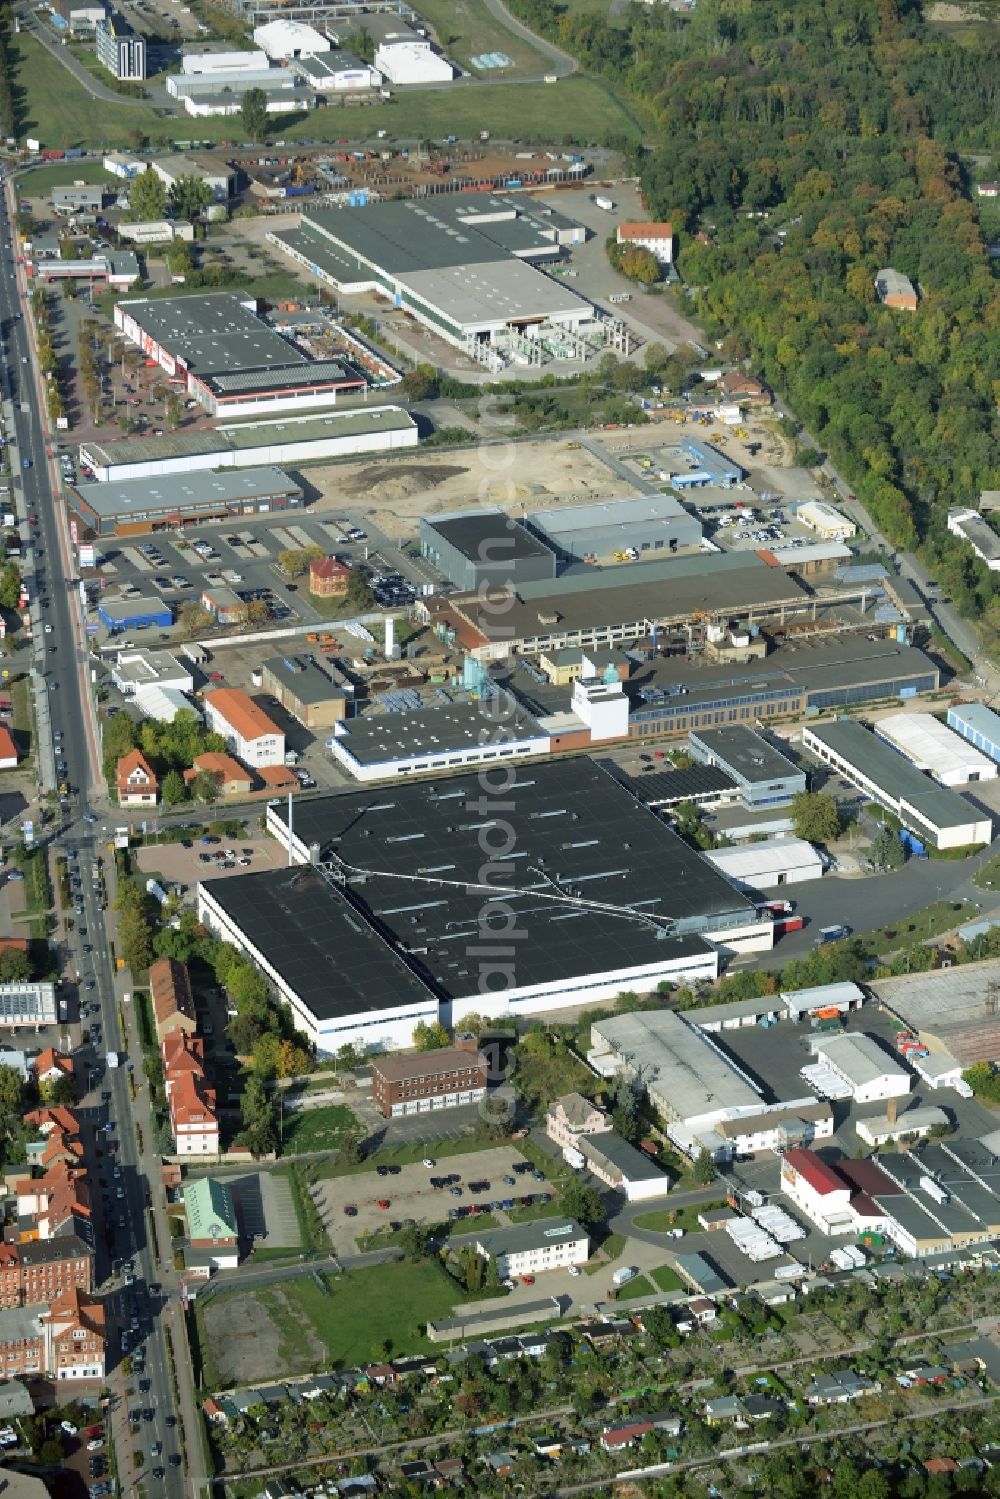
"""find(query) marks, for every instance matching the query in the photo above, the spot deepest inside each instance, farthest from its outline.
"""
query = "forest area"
(799, 146)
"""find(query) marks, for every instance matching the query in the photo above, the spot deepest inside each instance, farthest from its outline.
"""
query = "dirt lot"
(410, 1194)
(249, 1343)
(396, 494)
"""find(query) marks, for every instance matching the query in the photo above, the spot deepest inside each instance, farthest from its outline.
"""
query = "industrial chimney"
(390, 638)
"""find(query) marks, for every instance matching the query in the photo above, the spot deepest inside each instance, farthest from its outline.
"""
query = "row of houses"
(51, 1325)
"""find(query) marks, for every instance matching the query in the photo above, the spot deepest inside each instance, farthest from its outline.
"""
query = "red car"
(528, 1280)
(384, 1204)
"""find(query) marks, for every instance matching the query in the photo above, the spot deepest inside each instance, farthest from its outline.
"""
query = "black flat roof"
(745, 753)
(665, 788)
(410, 854)
(487, 536)
(332, 958)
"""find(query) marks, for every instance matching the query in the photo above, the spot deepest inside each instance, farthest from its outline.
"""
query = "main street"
(65, 714)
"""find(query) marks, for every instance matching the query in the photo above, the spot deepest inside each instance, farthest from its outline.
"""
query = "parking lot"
(218, 859)
(349, 1205)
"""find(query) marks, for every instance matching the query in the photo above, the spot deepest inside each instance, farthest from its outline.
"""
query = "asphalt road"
(70, 709)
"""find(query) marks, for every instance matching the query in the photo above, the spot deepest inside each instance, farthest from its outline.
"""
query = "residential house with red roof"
(135, 781)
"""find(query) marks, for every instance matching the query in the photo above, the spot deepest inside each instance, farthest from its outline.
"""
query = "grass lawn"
(365, 1309)
(575, 111)
(466, 29)
(22, 718)
(665, 1279)
(399, 1155)
(316, 1129)
(54, 106)
(988, 878)
(636, 1288)
(939, 916)
(535, 1210)
(661, 1220)
(611, 1248)
(39, 181)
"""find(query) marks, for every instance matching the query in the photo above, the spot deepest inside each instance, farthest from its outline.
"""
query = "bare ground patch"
(522, 476)
(253, 1334)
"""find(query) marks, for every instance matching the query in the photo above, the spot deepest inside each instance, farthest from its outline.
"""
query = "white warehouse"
(871, 1073)
(931, 746)
(412, 62)
(768, 866)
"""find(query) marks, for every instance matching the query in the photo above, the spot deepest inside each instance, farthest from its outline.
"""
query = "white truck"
(112, 1059)
(624, 1275)
(574, 1157)
(607, 204)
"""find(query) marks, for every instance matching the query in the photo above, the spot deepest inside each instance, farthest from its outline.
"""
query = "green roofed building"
(213, 1228)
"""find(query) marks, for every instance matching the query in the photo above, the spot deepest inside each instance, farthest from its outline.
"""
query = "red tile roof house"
(8, 750)
(135, 781)
(615, 1438)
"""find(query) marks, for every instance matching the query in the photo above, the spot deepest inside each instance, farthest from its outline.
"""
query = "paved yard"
(266, 1209)
(184, 866)
(410, 1194)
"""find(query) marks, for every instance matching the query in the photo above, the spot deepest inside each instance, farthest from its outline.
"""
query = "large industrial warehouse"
(931, 746)
(460, 266)
(133, 507)
(286, 440)
(228, 359)
(934, 813)
(602, 896)
(617, 528)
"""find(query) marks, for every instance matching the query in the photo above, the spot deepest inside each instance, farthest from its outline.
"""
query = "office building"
(763, 776)
(657, 238)
(425, 1081)
(249, 734)
(531, 1248)
(23, 1004)
(120, 49)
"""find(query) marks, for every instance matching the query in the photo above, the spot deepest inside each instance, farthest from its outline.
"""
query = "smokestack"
(890, 1111)
(390, 638)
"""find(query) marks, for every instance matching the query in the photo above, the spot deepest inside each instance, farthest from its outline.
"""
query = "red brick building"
(416, 1082)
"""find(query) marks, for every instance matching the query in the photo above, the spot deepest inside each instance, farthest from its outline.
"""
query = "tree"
(10, 585)
(253, 113)
(205, 787)
(704, 1168)
(292, 1060)
(815, 817)
(173, 791)
(189, 197)
(294, 561)
(429, 1037)
(584, 1203)
(59, 1090)
(193, 618)
(147, 197)
(15, 966)
(257, 1113)
(350, 1150)
(420, 383)
(246, 987)
(886, 850)
(173, 410)
(11, 1096)
(413, 1242)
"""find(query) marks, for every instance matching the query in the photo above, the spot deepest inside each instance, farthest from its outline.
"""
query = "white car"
(575, 1270)
(68, 1428)
(95, 1445)
(429, 1163)
(48, 629)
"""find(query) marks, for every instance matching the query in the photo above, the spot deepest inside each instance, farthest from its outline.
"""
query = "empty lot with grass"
(300, 1325)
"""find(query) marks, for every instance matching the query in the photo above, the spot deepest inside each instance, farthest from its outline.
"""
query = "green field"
(575, 111)
(355, 1317)
(661, 1220)
(315, 1129)
(54, 106)
(466, 29)
(666, 1279)
(40, 181)
(635, 1289)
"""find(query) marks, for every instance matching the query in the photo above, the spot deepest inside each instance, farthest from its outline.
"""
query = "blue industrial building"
(134, 614)
(701, 464)
(979, 725)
